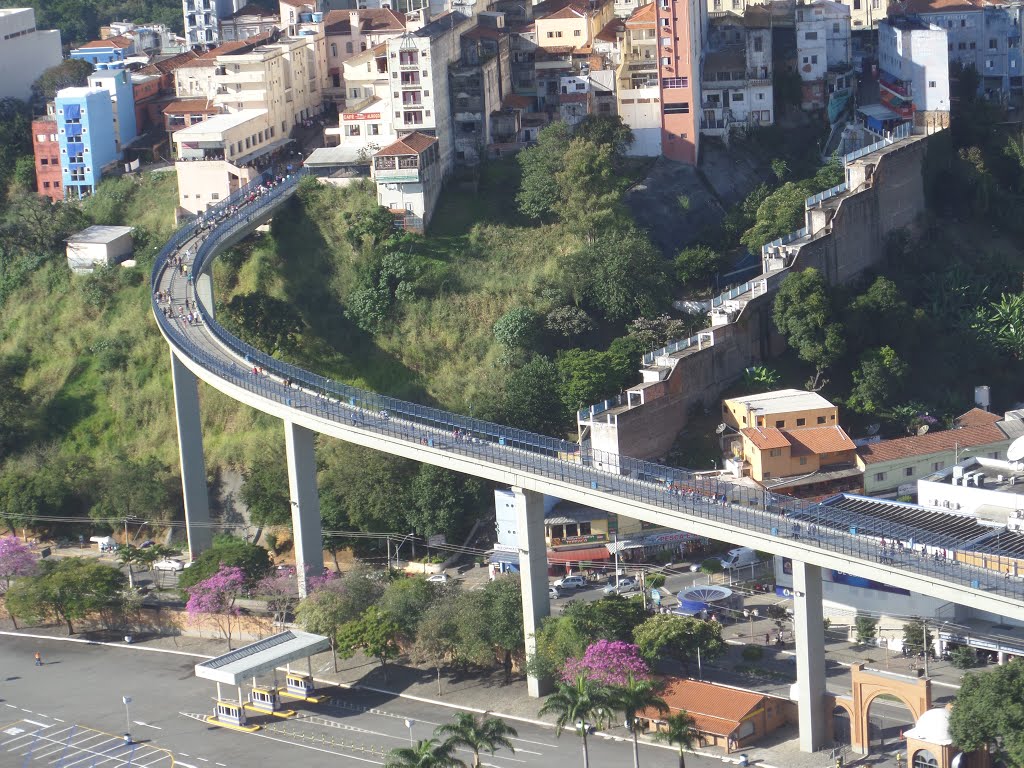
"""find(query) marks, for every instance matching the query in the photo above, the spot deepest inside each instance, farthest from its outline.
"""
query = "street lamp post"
(751, 613)
(409, 723)
(127, 719)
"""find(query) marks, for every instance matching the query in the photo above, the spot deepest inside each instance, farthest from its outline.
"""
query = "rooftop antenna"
(922, 430)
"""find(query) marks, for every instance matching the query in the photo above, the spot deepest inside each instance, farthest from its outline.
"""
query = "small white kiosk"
(253, 660)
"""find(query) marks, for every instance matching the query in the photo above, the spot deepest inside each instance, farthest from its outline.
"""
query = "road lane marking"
(147, 725)
(41, 725)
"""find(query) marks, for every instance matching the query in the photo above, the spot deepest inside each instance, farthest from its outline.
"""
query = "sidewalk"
(480, 692)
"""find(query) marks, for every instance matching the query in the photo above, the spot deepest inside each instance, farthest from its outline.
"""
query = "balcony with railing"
(894, 85)
(401, 169)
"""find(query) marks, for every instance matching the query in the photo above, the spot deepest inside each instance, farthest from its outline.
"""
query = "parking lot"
(28, 742)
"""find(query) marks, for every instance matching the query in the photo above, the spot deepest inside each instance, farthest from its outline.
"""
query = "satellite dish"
(722, 427)
(922, 430)
(873, 429)
(1016, 450)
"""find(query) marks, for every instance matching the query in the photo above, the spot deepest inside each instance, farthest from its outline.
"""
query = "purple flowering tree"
(608, 662)
(16, 560)
(215, 597)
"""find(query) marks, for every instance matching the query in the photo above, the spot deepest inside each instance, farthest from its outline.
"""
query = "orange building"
(730, 718)
(682, 29)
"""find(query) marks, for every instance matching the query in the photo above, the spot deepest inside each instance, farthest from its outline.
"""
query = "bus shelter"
(250, 662)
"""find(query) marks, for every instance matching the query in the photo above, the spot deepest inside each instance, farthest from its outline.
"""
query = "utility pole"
(924, 642)
(388, 538)
(616, 540)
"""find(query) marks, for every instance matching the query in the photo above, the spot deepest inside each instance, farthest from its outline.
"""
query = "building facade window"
(679, 108)
(879, 476)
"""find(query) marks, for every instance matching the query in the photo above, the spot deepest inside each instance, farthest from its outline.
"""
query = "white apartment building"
(203, 17)
(352, 33)
(638, 96)
(736, 84)
(25, 52)
(990, 489)
(365, 124)
(823, 49)
(263, 94)
(409, 177)
(414, 94)
(913, 64)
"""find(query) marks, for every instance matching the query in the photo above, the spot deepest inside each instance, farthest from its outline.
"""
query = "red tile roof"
(611, 30)
(120, 41)
(569, 12)
(715, 709)
(936, 6)
(166, 66)
(413, 144)
(765, 438)
(933, 442)
(572, 98)
(371, 20)
(818, 440)
(977, 416)
(642, 18)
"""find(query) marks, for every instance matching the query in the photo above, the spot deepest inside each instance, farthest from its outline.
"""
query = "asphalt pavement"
(70, 712)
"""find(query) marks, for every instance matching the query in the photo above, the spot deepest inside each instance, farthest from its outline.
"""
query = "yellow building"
(774, 454)
(782, 409)
(561, 24)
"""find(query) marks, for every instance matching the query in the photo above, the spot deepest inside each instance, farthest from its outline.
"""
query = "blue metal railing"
(668, 488)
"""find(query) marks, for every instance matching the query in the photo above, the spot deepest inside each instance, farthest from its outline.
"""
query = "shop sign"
(594, 537)
(348, 116)
(668, 538)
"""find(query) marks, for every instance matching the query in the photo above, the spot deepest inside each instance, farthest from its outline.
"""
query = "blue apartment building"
(114, 51)
(117, 81)
(85, 133)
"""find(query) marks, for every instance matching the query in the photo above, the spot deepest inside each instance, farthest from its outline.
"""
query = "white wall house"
(823, 44)
(914, 63)
(98, 246)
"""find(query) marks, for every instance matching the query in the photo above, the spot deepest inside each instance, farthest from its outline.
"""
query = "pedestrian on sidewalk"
(39, 659)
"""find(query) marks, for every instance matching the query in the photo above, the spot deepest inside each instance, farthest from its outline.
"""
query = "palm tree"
(637, 696)
(477, 733)
(428, 753)
(578, 706)
(681, 731)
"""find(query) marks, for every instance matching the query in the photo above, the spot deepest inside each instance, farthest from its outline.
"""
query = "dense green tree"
(478, 733)
(622, 274)
(696, 264)
(878, 381)
(759, 378)
(988, 712)
(878, 316)
(539, 193)
(338, 602)
(613, 617)
(374, 633)
(267, 322)
(130, 488)
(804, 315)
(406, 600)
(369, 228)
(15, 138)
(558, 638)
(584, 702)
(917, 636)
(265, 488)
(428, 753)
(781, 212)
(655, 332)
(610, 130)
(437, 635)
(375, 489)
(531, 399)
(586, 376)
(678, 637)
(590, 190)
(16, 412)
(504, 603)
(568, 322)
(228, 551)
(66, 590)
(70, 73)
(517, 329)
(442, 502)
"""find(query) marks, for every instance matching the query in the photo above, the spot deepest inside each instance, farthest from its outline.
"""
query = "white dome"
(933, 727)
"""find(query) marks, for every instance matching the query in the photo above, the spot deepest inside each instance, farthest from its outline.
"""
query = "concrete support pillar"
(204, 289)
(809, 632)
(193, 465)
(533, 574)
(305, 503)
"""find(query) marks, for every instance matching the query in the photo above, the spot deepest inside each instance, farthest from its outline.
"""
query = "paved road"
(80, 687)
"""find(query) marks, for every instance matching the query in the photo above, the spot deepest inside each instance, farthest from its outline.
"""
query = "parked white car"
(439, 578)
(625, 584)
(571, 582)
(168, 564)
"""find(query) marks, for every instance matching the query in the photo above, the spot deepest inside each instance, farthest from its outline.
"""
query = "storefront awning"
(578, 555)
(500, 556)
(621, 546)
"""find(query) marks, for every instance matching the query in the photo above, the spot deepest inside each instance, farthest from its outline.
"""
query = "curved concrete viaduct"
(532, 464)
